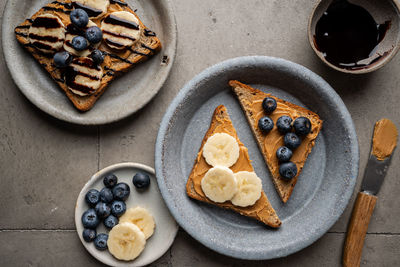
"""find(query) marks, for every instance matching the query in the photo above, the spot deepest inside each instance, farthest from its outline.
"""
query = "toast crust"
(115, 62)
(250, 100)
(262, 209)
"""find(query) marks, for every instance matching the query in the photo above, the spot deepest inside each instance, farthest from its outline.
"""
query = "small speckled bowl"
(381, 11)
(150, 199)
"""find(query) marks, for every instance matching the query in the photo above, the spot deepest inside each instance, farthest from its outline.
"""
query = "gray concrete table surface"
(45, 162)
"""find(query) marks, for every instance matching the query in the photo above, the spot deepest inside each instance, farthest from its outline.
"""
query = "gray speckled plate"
(324, 186)
(124, 96)
(150, 199)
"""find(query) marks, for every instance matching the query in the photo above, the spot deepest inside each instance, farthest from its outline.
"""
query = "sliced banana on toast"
(121, 29)
(94, 8)
(219, 184)
(249, 189)
(221, 149)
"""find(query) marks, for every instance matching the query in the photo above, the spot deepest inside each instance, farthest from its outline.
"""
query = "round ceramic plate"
(124, 96)
(150, 199)
(323, 188)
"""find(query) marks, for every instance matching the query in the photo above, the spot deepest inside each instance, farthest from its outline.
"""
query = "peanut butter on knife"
(385, 139)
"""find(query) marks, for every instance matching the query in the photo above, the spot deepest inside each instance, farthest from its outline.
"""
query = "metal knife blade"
(374, 175)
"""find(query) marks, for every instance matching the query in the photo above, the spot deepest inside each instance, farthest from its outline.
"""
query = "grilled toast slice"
(262, 209)
(115, 63)
(250, 100)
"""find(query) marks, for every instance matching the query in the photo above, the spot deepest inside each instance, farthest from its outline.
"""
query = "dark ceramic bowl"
(381, 11)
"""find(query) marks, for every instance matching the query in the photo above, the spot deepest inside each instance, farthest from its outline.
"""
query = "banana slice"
(47, 33)
(219, 184)
(249, 189)
(126, 241)
(121, 29)
(94, 8)
(221, 149)
(68, 41)
(141, 218)
(83, 76)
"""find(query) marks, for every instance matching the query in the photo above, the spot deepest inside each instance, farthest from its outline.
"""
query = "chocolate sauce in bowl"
(347, 34)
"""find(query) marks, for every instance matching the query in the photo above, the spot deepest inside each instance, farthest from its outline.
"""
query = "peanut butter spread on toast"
(273, 140)
(250, 100)
(262, 209)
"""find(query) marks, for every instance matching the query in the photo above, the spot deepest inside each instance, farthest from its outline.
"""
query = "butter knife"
(383, 144)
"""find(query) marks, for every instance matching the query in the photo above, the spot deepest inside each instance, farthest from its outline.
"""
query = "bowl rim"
(377, 66)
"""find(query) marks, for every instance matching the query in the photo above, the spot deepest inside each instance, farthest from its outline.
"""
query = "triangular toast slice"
(250, 100)
(116, 62)
(262, 209)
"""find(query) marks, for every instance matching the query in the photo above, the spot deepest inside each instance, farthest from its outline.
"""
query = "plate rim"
(102, 172)
(102, 120)
(249, 60)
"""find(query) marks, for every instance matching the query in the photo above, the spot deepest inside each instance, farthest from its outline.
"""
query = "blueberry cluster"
(108, 205)
(301, 127)
(92, 35)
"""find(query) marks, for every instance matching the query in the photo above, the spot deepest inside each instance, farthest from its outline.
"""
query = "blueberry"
(269, 104)
(90, 219)
(102, 210)
(89, 234)
(284, 154)
(288, 170)
(265, 124)
(284, 124)
(141, 180)
(98, 58)
(92, 197)
(79, 43)
(302, 126)
(62, 59)
(79, 18)
(110, 221)
(292, 141)
(94, 34)
(110, 180)
(118, 208)
(106, 195)
(100, 242)
(121, 191)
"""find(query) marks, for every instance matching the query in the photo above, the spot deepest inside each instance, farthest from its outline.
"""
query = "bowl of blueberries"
(107, 196)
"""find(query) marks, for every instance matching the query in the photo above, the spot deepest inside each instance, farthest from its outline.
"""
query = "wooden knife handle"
(362, 212)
